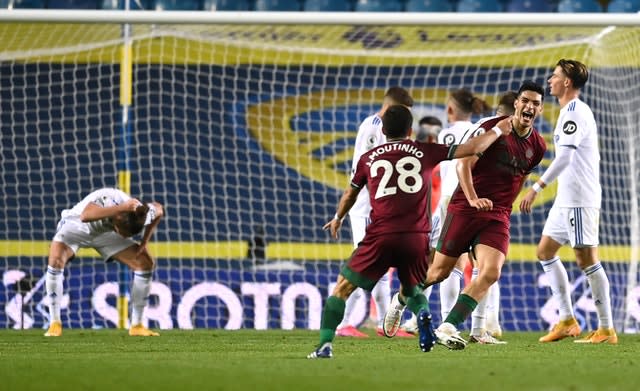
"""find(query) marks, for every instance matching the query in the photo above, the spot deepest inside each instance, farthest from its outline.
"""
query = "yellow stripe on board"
(237, 250)
(324, 45)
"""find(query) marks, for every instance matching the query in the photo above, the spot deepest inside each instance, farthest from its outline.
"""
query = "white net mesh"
(245, 134)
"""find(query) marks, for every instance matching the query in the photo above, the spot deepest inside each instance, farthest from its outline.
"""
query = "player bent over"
(398, 177)
(105, 220)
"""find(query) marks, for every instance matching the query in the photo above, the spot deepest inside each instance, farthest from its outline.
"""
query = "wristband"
(338, 218)
(536, 187)
(151, 214)
(497, 130)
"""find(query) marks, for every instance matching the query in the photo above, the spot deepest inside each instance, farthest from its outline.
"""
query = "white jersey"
(369, 136)
(579, 182)
(457, 133)
(104, 197)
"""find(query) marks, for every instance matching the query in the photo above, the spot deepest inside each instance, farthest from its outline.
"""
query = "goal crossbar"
(319, 18)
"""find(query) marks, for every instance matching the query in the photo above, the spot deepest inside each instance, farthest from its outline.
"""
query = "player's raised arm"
(346, 202)
(94, 211)
(479, 144)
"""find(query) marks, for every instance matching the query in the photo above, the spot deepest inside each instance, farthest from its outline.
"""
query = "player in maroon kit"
(480, 209)
(398, 177)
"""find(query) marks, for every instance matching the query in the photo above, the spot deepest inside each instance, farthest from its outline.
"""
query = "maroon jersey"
(398, 177)
(499, 173)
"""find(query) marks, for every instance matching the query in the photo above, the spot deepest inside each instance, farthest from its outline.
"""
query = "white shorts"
(578, 226)
(436, 222)
(358, 228)
(77, 236)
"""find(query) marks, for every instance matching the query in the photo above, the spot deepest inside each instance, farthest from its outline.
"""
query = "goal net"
(245, 133)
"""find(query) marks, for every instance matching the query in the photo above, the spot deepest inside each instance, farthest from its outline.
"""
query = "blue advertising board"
(287, 295)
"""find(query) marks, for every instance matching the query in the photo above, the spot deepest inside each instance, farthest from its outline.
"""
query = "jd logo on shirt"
(569, 127)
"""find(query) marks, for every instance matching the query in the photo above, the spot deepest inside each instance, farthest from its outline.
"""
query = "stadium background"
(209, 143)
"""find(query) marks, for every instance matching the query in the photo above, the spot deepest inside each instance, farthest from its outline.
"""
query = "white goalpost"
(242, 124)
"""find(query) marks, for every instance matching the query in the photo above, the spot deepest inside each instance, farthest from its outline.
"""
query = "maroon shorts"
(407, 252)
(461, 232)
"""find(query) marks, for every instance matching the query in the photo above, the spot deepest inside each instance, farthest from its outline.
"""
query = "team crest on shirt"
(529, 153)
(569, 127)
(371, 142)
(449, 139)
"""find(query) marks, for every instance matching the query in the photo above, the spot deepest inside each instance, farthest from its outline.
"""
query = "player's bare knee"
(586, 257)
(343, 289)
(489, 275)
(543, 254)
(437, 274)
(145, 261)
(56, 261)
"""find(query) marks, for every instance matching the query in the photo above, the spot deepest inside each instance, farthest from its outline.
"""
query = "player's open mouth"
(527, 115)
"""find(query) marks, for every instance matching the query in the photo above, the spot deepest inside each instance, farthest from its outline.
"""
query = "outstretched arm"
(93, 211)
(564, 157)
(346, 202)
(479, 144)
(463, 169)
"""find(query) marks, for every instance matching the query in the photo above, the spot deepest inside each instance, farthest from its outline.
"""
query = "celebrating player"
(575, 214)
(105, 220)
(485, 319)
(398, 176)
(370, 136)
(479, 211)
(485, 325)
(461, 105)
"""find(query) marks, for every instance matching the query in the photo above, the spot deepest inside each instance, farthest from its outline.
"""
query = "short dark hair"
(530, 85)
(396, 121)
(576, 72)
(399, 96)
(505, 104)
(133, 222)
(430, 120)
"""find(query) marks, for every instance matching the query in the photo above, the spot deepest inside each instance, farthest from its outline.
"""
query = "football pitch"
(275, 360)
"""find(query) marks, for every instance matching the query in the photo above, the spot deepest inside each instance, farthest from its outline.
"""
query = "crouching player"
(105, 220)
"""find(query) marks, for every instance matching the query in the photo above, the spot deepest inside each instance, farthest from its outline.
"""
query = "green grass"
(275, 360)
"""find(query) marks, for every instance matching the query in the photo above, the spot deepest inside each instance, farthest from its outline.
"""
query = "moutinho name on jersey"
(409, 148)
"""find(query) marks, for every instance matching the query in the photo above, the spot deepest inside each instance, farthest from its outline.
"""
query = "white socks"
(599, 284)
(492, 318)
(349, 306)
(381, 294)
(560, 288)
(139, 295)
(478, 324)
(53, 285)
(449, 291)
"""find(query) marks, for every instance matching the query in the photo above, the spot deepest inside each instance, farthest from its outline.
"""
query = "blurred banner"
(275, 295)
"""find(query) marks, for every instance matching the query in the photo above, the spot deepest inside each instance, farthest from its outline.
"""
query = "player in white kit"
(369, 136)
(575, 214)
(105, 220)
